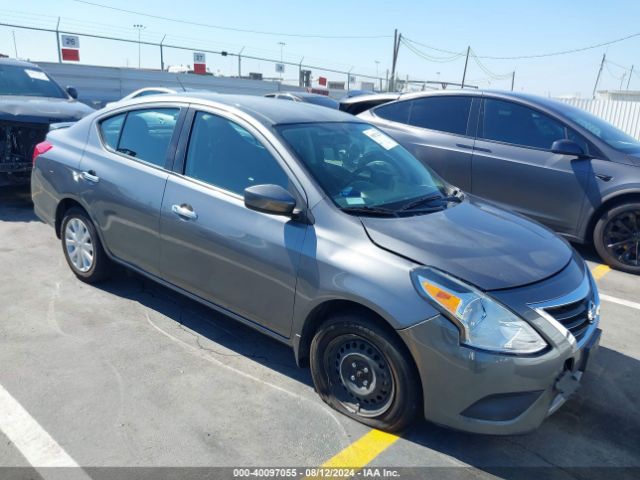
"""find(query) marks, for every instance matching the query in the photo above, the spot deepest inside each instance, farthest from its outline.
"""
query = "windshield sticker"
(355, 201)
(380, 138)
(36, 75)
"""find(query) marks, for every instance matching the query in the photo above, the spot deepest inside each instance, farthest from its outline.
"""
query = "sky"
(493, 28)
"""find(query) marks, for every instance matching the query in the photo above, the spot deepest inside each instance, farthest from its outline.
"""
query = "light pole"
(282, 44)
(377, 62)
(139, 27)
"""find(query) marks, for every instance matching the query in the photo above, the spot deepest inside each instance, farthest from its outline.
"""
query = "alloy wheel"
(79, 245)
(622, 237)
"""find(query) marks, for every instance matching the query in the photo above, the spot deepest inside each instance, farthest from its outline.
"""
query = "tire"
(616, 237)
(349, 350)
(82, 247)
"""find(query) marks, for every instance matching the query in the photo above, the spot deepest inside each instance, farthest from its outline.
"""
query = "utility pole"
(282, 44)
(240, 62)
(466, 61)
(139, 27)
(513, 79)
(397, 37)
(622, 79)
(161, 53)
(630, 74)
(595, 87)
(58, 40)
(300, 79)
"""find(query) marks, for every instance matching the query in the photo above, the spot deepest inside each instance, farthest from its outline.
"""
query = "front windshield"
(360, 167)
(32, 82)
(603, 130)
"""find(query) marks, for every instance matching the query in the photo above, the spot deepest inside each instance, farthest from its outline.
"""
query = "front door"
(514, 166)
(216, 248)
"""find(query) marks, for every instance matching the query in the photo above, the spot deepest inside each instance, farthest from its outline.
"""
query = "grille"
(573, 316)
(17, 141)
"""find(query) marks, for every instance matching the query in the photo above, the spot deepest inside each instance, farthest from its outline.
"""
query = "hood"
(635, 158)
(41, 109)
(476, 242)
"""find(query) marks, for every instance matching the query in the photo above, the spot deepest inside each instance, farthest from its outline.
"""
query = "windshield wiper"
(370, 211)
(429, 199)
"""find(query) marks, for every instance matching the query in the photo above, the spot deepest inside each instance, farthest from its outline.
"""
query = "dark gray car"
(559, 165)
(401, 292)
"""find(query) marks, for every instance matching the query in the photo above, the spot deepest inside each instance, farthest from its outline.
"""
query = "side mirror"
(73, 93)
(271, 199)
(567, 147)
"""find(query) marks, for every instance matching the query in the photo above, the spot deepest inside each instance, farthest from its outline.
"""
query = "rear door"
(439, 130)
(513, 165)
(123, 174)
(212, 245)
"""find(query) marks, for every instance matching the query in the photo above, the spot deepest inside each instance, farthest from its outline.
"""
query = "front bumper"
(490, 393)
(481, 392)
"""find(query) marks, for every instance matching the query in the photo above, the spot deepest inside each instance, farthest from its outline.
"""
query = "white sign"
(36, 74)
(380, 138)
(280, 67)
(199, 57)
(70, 41)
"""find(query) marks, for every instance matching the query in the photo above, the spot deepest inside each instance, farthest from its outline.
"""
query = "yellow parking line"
(600, 271)
(361, 452)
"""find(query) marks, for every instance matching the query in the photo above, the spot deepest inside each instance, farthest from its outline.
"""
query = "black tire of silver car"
(82, 247)
(365, 372)
(617, 237)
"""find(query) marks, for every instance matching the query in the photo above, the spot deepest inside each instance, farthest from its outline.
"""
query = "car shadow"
(16, 204)
(231, 335)
(598, 427)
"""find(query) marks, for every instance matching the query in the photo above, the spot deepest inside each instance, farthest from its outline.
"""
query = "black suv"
(557, 164)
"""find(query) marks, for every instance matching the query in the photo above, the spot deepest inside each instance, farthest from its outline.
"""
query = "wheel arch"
(63, 206)
(611, 202)
(324, 311)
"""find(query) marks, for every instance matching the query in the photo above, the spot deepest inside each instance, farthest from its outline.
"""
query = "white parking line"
(28, 436)
(620, 301)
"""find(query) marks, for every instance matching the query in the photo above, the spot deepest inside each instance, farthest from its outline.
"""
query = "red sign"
(70, 54)
(200, 68)
(322, 81)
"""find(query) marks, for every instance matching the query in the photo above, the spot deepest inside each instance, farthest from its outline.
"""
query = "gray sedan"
(557, 164)
(404, 294)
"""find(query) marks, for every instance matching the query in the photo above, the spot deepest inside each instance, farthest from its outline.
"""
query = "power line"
(539, 55)
(428, 57)
(232, 29)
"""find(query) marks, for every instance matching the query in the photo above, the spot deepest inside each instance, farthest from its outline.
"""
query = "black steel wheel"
(360, 376)
(617, 237)
(364, 370)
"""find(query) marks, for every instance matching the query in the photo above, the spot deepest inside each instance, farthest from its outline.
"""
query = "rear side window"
(446, 114)
(143, 134)
(110, 129)
(395, 111)
(519, 125)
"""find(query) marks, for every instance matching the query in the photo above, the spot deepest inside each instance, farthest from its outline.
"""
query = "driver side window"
(226, 155)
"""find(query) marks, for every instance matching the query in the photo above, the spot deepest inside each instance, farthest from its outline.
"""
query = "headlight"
(482, 321)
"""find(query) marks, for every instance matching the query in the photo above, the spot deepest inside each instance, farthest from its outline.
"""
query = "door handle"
(90, 176)
(185, 211)
(462, 145)
(485, 150)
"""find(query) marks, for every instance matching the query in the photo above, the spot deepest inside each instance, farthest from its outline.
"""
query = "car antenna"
(178, 79)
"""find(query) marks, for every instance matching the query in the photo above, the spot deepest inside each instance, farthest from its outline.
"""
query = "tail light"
(41, 148)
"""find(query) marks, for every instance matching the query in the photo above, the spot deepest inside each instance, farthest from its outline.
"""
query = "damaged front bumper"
(17, 141)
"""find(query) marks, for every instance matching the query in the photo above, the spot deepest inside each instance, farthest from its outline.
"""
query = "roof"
(17, 63)
(269, 112)
(371, 97)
